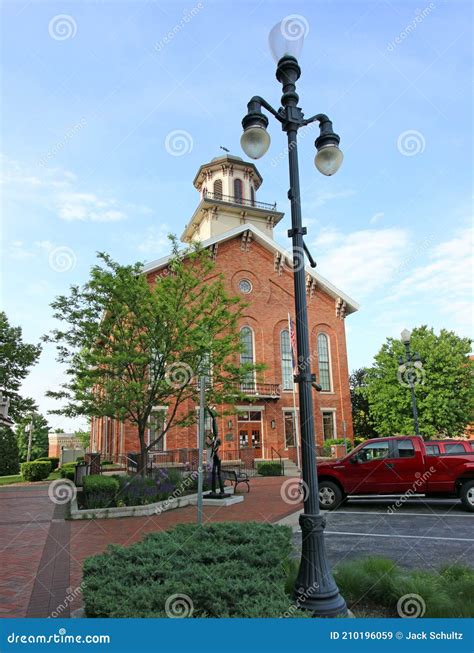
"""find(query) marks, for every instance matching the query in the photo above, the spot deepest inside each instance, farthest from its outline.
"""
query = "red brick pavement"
(35, 558)
(25, 516)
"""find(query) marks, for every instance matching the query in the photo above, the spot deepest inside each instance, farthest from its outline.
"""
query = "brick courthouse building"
(239, 231)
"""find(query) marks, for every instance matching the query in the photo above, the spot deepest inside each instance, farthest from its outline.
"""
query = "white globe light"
(406, 334)
(287, 37)
(328, 159)
(255, 141)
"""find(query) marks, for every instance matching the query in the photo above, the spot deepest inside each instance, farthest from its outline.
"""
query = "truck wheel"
(467, 496)
(330, 495)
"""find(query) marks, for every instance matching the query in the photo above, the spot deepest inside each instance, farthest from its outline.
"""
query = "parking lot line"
(398, 514)
(393, 535)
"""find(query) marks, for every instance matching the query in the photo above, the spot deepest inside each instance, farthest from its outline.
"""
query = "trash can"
(82, 469)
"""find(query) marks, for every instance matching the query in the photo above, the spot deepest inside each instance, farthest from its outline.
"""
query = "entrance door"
(250, 431)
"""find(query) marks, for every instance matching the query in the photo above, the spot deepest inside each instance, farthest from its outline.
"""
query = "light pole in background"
(315, 586)
(407, 367)
(29, 430)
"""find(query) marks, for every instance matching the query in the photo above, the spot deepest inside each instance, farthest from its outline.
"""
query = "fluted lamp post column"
(409, 365)
(315, 588)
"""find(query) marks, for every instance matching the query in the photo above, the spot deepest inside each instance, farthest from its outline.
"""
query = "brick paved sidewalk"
(44, 553)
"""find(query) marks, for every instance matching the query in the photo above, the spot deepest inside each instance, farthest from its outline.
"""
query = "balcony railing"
(240, 200)
(264, 390)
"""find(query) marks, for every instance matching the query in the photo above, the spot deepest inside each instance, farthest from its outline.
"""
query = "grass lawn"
(379, 584)
(16, 478)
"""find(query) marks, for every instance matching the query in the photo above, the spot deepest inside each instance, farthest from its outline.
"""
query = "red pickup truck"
(399, 465)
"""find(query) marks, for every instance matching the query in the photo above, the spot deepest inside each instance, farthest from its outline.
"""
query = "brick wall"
(270, 302)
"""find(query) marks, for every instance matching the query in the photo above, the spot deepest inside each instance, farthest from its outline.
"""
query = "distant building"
(58, 441)
(238, 229)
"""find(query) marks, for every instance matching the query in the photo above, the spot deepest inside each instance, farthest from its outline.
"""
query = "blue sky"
(93, 93)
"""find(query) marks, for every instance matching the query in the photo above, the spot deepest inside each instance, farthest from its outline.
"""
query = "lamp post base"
(315, 587)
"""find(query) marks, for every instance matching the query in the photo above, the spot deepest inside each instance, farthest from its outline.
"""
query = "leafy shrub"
(67, 471)
(269, 468)
(447, 593)
(36, 470)
(99, 491)
(226, 569)
(52, 459)
(9, 460)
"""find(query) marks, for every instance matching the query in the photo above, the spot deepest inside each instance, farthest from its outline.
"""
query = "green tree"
(9, 462)
(130, 344)
(16, 358)
(84, 438)
(361, 418)
(443, 388)
(39, 438)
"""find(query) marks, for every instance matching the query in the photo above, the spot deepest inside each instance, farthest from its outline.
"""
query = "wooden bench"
(235, 476)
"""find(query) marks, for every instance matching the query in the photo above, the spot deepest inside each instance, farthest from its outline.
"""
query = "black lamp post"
(315, 587)
(407, 366)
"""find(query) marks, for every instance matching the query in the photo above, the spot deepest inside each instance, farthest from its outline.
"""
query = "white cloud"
(155, 241)
(445, 281)
(58, 190)
(322, 197)
(362, 261)
(376, 217)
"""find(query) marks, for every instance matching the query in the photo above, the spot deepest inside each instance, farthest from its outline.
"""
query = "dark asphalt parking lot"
(421, 534)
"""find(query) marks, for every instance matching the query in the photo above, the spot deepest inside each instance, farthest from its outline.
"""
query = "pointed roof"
(268, 243)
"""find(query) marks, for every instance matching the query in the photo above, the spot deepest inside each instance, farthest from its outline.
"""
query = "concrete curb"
(136, 511)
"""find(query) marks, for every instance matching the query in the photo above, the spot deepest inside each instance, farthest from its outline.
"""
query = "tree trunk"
(142, 462)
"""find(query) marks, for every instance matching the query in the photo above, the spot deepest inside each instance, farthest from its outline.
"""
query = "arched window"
(286, 361)
(252, 195)
(218, 189)
(238, 190)
(246, 356)
(324, 363)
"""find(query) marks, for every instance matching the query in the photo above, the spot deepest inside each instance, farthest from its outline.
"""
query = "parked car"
(435, 447)
(395, 466)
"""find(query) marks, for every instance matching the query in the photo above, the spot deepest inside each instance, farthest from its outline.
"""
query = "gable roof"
(268, 243)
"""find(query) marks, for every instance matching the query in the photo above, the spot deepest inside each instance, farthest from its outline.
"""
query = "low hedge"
(67, 471)
(100, 491)
(269, 468)
(38, 470)
(223, 569)
(52, 459)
